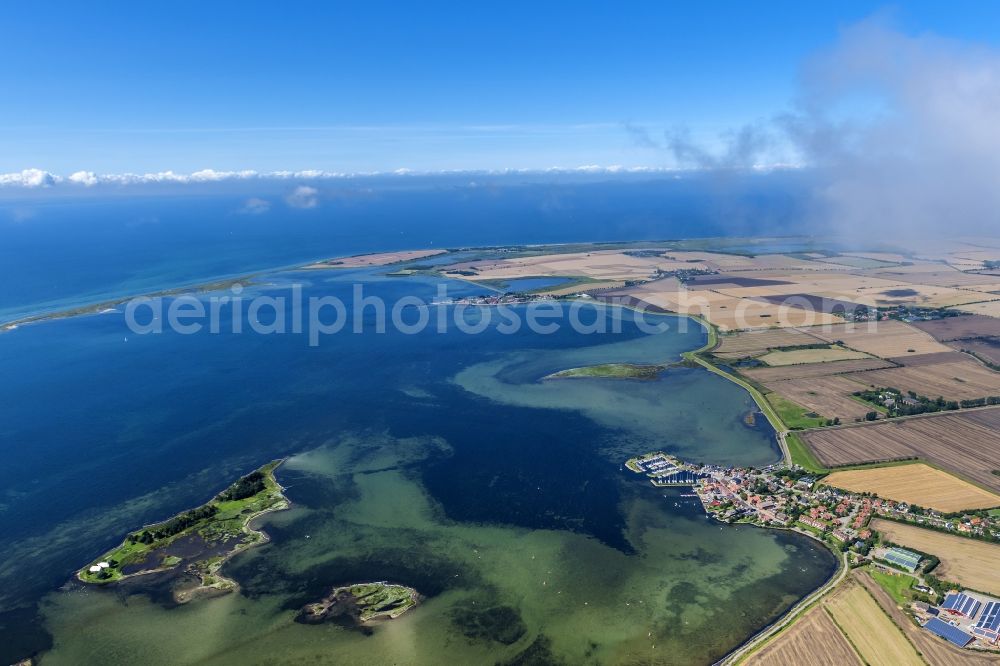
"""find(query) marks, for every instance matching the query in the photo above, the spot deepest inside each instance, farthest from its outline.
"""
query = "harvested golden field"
(991, 309)
(890, 257)
(827, 396)
(932, 274)
(758, 341)
(917, 484)
(812, 639)
(965, 443)
(923, 295)
(767, 375)
(743, 313)
(587, 287)
(964, 379)
(877, 638)
(991, 288)
(601, 264)
(885, 339)
(378, 259)
(965, 561)
(804, 356)
(735, 262)
(726, 312)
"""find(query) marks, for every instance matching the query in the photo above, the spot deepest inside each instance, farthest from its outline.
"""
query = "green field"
(802, 456)
(225, 516)
(792, 415)
(897, 585)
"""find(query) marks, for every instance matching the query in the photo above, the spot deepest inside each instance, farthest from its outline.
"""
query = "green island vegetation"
(217, 530)
(612, 370)
(897, 585)
(363, 602)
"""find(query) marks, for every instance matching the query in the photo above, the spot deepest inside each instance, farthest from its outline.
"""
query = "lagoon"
(439, 461)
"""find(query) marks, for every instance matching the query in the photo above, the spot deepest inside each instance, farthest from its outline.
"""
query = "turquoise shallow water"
(441, 461)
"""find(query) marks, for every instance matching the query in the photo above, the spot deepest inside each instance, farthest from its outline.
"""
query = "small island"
(610, 370)
(202, 539)
(361, 603)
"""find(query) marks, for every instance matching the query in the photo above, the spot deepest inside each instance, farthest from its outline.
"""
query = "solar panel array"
(990, 619)
(903, 558)
(948, 632)
(962, 603)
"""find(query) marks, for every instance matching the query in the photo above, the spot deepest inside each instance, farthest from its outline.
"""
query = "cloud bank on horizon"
(901, 132)
(34, 178)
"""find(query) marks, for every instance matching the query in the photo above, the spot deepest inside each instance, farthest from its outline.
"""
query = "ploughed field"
(915, 484)
(826, 396)
(754, 342)
(812, 639)
(965, 443)
(962, 379)
(962, 327)
(971, 563)
(806, 371)
(976, 334)
(987, 349)
(885, 339)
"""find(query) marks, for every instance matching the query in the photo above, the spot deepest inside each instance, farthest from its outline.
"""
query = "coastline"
(788, 617)
(758, 640)
(87, 306)
(712, 341)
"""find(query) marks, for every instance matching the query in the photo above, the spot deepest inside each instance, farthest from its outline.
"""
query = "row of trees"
(175, 525)
(248, 486)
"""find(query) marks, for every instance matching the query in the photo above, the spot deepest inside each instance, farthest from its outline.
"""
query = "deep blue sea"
(59, 250)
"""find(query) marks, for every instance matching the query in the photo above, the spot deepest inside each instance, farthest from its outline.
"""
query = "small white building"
(94, 569)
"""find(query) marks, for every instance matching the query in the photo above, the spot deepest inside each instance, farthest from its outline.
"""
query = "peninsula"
(201, 539)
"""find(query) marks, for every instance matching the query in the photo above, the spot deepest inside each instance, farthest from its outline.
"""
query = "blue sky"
(136, 87)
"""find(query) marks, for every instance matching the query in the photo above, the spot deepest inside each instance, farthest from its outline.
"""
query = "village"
(785, 496)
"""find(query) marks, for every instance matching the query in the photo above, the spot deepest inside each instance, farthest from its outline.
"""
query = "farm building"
(960, 603)
(988, 625)
(948, 632)
(902, 558)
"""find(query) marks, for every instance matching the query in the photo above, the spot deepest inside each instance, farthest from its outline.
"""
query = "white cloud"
(29, 178)
(303, 197)
(255, 206)
(87, 178)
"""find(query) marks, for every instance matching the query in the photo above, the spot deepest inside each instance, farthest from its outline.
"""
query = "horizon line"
(34, 178)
